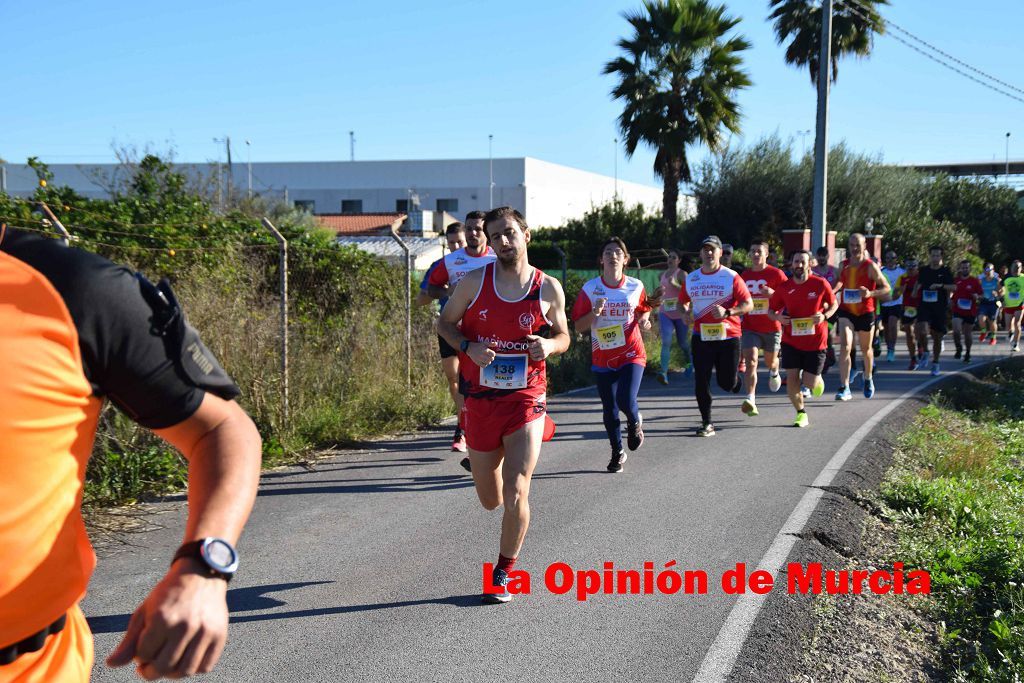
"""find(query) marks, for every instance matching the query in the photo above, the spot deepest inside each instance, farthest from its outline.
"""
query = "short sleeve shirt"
(799, 302)
(725, 288)
(615, 336)
(756, 281)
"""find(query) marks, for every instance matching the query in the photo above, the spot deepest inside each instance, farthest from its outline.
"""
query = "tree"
(854, 23)
(678, 78)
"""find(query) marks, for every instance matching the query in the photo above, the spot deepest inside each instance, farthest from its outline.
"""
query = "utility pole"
(248, 154)
(1007, 157)
(490, 165)
(231, 169)
(821, 138)
(351, 145)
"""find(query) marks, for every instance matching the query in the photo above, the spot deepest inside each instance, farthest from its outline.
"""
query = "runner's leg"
(703, 364)
(522, 449)
(606, 382)
(666, 328)
(726, 359)
(627, 390)
(845, 333)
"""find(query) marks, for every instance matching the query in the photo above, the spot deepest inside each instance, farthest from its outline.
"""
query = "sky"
(432, 80)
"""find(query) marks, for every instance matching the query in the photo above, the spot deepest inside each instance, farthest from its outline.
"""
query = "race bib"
(964, 304)
(506, 371)
(670, 305)
(803, 327)
(909, 311)
(760, 307)
(852, 296)
(1013, 297)
(930, 296)
(712, 331)
(611, 337)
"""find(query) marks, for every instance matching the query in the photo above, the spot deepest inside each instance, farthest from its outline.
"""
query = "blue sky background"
(418, 80)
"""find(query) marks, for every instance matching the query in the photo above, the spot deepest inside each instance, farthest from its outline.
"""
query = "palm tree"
(854, 23)
(678, 78)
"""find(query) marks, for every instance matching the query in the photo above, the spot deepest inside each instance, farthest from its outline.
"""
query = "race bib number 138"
(506, 371)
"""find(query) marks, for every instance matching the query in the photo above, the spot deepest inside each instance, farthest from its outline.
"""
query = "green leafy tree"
(798, 22)
(678, 78)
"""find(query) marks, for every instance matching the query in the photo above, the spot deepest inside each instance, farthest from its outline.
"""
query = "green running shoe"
(801, 420)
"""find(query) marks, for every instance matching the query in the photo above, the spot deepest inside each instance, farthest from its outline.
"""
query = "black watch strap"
(193, 550)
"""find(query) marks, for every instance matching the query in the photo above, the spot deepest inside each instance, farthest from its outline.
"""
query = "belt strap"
(33, 643)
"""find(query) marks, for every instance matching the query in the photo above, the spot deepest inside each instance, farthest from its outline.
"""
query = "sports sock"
(505, 564)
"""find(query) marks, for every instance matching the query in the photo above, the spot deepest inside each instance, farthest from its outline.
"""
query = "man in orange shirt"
(76, 329)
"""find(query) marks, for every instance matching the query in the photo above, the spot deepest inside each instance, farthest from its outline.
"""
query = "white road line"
(721, 657)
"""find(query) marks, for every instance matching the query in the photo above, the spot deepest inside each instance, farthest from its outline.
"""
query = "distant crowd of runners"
(502, 318)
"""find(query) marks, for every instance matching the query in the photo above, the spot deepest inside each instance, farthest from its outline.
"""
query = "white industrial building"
(547, 194)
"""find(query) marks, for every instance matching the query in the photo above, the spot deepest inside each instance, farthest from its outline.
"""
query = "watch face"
(220, 555)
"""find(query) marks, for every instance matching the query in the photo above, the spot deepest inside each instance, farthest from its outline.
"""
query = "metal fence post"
(283, 243)
(408, 306)
(561, 255)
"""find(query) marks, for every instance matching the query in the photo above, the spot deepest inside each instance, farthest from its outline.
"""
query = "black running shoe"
(958, 354)
(615, 464)
(706, 430)
(465, 464)
(499, 579)
(635, 434)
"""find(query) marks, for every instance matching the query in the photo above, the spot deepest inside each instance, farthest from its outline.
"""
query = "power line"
(856, 7)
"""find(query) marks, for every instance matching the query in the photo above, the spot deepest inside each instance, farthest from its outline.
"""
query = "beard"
(509, 258)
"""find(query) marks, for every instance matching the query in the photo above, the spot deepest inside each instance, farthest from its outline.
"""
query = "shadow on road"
(443, 482)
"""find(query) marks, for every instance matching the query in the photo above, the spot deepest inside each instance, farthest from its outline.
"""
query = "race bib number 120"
(506, 371)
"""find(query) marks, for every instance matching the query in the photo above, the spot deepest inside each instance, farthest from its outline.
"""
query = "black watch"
(215, 554)
(464, 346)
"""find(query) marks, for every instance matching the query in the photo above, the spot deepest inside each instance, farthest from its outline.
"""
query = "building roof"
(360, 223)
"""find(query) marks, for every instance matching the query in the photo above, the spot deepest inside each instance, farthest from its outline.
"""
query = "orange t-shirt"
(852, 279)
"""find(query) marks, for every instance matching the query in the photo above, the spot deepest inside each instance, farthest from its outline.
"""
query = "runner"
(1013, 297)
(441, 283)
(988, 307)
(861, 283)
(759, 330)
(614, 308)
(803, 305)
(823, 269)
(670, 320)
(965, 310)
(512, 318)
(934, 283)
(713, 297)
(455, 236)
(892, 310)
(911, 300)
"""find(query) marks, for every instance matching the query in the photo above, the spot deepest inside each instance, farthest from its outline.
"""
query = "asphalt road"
(369, 567)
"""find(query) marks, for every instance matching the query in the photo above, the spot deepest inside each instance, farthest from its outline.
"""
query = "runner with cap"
(802, 305)
(1013, 298)
(713, 298)
(892, 310)
(441, 283)
(966, 296)
(861, 283)
(988, 307)
(760, 331)
(506, 319)
(615, 309)
(934, 284)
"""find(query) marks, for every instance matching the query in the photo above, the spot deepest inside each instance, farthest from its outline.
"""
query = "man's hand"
(818, 318)
(180, 629)
(717, 312)
(480, 353)
(865, 293)
(539, 348)
(784, 319)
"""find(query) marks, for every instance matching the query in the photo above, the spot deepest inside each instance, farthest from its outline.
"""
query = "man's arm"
(181, 627)
(882, 290)
(448, 323)
(559, 340)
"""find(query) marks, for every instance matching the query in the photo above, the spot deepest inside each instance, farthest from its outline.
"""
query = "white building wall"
(548, 194)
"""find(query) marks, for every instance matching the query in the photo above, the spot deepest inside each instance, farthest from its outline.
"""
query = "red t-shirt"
(909, 284)
(724, 288)
(964, 302)
(801, 301)
(757, 320)
(615, 335)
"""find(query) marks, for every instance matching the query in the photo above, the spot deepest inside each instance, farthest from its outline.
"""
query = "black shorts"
(934, 317)
(967, 319)
(808, 361)
(445, 348)
(861, 323)
(891, 312)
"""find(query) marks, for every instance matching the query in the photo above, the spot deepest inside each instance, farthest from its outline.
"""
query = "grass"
(956, 492)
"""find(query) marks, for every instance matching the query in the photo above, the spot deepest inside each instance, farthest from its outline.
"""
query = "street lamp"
(1007, 157)
(616, 169)
(248, 154)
